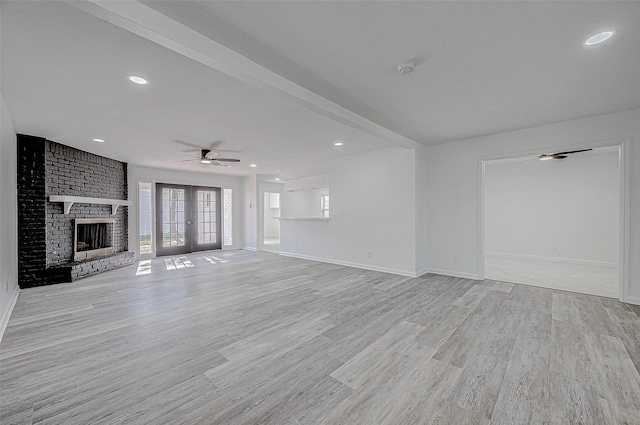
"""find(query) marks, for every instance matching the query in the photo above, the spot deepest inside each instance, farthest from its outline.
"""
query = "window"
(145, 217)
(227, 222)
(324, 205)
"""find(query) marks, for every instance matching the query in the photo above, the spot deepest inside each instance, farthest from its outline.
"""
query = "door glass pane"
(206, 213)
(173, 217)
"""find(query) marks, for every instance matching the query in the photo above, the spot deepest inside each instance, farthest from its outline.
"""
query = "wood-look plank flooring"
(241, 337)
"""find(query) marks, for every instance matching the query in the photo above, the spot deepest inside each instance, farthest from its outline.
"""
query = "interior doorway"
(271, 217)
(555, 222)
(188, 219)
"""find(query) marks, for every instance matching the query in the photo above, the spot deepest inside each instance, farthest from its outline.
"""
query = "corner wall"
(560, 209)
(8, 217)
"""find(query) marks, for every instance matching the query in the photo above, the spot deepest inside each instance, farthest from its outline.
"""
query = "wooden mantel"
(70, 200)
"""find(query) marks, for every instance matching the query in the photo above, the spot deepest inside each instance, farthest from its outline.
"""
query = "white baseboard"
(249, 248)
(453, 273)
(422, 271)
(350, 264)
(4, 320)
(633, 300)
(552, 259)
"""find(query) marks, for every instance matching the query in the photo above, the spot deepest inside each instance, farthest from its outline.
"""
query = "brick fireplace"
(50, 249)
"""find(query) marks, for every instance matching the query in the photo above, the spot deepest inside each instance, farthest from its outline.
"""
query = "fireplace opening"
(93, 238)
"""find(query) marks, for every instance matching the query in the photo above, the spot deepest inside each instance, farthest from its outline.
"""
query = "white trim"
(633, 300)
(249, 248)
(304, 218)
(625, 197)
(70, 200)
(4, 321)
(350, 264)
(481, 254)
(552, 259)
(453, 273)
(623, 144)
(424, 270)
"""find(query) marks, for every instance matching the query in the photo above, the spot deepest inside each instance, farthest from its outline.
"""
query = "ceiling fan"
(556, 155)
(559, 155)
(209, 155)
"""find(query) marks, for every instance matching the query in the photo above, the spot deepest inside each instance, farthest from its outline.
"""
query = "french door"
(187, 219)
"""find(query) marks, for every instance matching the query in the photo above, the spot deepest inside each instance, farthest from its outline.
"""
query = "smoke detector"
(406, 68)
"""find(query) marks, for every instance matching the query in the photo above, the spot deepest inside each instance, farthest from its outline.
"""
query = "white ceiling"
(64, 78)
(483, 67)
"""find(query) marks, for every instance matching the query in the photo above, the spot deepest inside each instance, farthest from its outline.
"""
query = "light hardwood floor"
(242, 337)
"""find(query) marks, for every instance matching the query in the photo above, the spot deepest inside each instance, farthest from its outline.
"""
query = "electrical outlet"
(295, 245)
(454, 259)
(369, 254)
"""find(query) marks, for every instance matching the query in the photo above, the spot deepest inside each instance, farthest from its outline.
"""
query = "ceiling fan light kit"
(406, 67)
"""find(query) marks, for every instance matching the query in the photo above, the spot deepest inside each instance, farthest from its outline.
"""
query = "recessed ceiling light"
(205, 161)
(338, 144)
(546, 157)
(138, 80)
(252, 165)
(598, 38)
(99, 140)
(277, 178)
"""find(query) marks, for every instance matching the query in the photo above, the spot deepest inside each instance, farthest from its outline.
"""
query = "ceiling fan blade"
(214, 147)
(570, 152)
(184, 154)
(188, 144)
(228, 159)
(559, 156)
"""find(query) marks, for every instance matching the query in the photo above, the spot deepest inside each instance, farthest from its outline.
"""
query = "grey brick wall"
(74, 172)
(45, 233)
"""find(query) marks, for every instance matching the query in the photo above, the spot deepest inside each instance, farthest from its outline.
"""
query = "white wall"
(138, 174)
(8, 217)
(452, 185)
(250, 214)
(567, 209)
(373, 209)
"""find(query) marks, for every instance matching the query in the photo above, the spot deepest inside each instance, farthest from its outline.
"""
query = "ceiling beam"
(152, 25)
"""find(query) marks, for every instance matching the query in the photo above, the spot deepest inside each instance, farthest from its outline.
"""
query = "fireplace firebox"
(93, 238)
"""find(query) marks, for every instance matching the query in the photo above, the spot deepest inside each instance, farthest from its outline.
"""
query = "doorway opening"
(555, 222)
(271, 221)
(188, 219)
